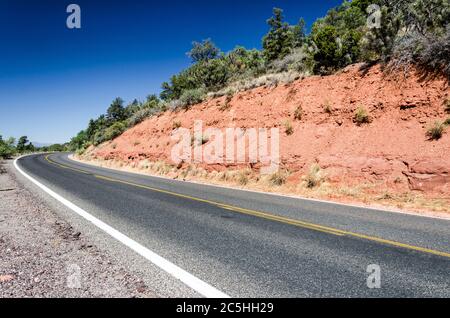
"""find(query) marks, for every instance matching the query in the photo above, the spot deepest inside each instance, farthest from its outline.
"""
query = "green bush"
(141, 115)
(115, 130)
(335, 39)
(192, 97)
(7, 149)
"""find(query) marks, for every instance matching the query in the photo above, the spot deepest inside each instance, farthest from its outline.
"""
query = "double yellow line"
(264, 215)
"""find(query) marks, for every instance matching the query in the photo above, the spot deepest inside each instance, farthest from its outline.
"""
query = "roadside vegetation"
(10, 148)
(412, 33)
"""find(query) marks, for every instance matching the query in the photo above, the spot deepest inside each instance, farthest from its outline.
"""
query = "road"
(248, 244)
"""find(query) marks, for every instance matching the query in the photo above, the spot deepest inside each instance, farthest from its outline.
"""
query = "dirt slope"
(392, 152)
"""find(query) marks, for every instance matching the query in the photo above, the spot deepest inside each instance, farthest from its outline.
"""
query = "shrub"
(192, 97)
(447, 122)
(141, 115)
(289, 130)
(361, 116)
(114, 131)
(299, 61)
(435, 131)
(298, 113)
(7, 149)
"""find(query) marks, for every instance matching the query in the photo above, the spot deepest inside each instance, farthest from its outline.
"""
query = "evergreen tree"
(281, 37)
(116, 112)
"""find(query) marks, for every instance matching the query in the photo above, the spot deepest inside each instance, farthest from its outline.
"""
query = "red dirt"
(391, 151)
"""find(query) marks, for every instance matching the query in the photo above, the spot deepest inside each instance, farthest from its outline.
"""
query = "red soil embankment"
(392, 151)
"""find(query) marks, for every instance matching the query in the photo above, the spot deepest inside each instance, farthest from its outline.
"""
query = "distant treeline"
(397, 33)
(10, 148)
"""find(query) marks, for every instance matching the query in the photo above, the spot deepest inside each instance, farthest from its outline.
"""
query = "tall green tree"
(116, 112)
(278, 42)
(203, 51)
(21, 144)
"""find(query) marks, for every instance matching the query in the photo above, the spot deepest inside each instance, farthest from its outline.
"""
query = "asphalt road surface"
(248, 244)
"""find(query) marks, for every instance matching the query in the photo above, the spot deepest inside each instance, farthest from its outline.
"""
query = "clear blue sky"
(53, 79)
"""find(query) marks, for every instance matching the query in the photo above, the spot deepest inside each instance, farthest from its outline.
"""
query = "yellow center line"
(64, 166)
(268, 216)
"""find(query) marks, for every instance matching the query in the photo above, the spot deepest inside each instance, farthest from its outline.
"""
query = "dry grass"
(269, 80)
(244, 177)
(227, 104)
(278, 178)
(361, 116)
(298, 113)
(436, 130)
(327, 108)
(176, 124)
(314, 185)
(447, 105)
(314, 177)
(288, 129)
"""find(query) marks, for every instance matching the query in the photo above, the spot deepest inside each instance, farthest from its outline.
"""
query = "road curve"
(249, 244)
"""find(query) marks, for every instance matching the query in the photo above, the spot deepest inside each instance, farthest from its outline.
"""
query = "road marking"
(281, 219)
(188, 279)
(262, 215)
(64, 166)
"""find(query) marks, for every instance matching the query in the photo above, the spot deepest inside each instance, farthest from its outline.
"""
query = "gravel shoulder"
(41, 255)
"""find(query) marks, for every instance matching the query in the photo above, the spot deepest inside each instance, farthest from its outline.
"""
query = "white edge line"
(360, 206)
(188, 279)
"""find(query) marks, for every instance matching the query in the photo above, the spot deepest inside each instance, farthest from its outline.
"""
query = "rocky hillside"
(387, 146)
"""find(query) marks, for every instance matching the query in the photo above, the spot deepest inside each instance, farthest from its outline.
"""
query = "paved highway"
(248, 244)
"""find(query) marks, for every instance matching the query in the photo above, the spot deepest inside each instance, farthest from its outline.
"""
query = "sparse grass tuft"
(243, 177)
(298, 113)
(361, 116)
(314, 177)
(447, 105)
(435, 131)
(288, 129)
(227, 103)
(278, 178)
(176, 124)
(327, 108)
